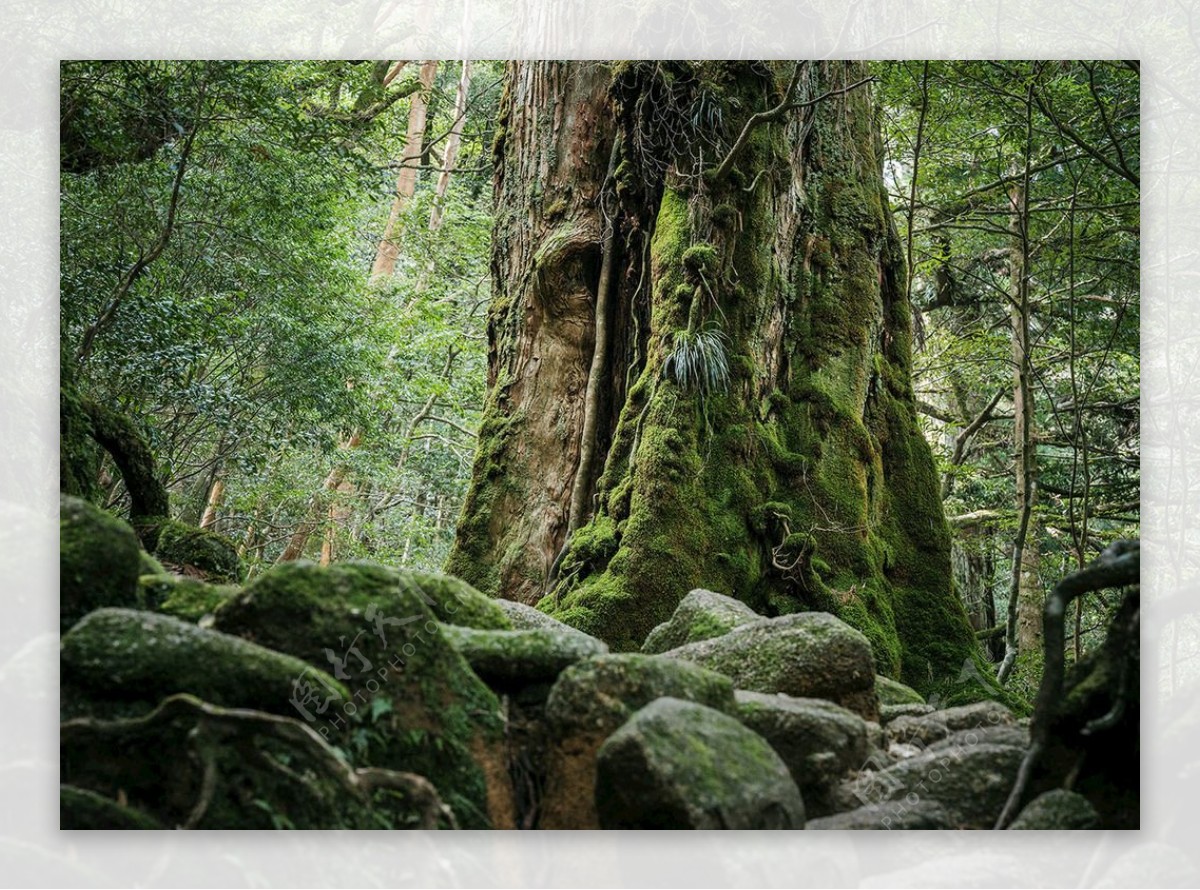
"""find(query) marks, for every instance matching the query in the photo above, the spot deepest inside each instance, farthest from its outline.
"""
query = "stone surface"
(819, 741)
(807, 655)
(1057, 811)
(701, 615)
(589, 702)
(923, 815)
(677, 764)
(514, 658)
(971, 784)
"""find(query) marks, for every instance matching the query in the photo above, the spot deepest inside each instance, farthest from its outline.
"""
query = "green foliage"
(699, 361)
(253, 342)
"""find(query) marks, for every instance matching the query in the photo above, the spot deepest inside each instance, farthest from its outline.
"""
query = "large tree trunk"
(756, 427)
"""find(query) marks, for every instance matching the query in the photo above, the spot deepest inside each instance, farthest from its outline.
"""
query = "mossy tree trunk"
(757, 431)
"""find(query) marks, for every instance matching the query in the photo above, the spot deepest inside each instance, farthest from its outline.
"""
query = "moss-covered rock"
(424, 710)
(181, 596)
(193, 550)
(677, 764)
(134, 656)
(148, 565)
(819, 741)
(701, 615)
(454, 601)
(192, 764)
(99, 561)
(79, 808)
(807, 655)
(589, 701)
(893, 692)
(1058, 810)
(511, 659)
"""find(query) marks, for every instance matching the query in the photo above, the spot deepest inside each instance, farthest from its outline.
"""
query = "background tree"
(1025, 234)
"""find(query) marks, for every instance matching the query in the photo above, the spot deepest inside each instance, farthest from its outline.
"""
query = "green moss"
(99, 561)
(892, 692)
(187, 547)
(454, 601)
(180, 596)
(122, 654)
(148, 565)
(439, 719)
(701, 259)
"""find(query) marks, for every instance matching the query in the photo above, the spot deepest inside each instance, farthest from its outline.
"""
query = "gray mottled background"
(36, 35)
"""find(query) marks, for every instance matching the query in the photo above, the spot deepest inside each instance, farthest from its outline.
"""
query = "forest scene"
(600, 445)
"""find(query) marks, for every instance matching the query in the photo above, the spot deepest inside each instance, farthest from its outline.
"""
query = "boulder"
(523, 617)
(135, 657)
(454, 601)
(819, 741)
(701, 615)
(181, 596)
(518, 658)
(806, 655)
(426, 710)
(1005, 734)
(1057, 811)
(191, 550)
(676, 764)
(893, 692)
(590, 700)
(888, 713)
(920, 815)
(99, 561)
(971, 784)
(929, 728)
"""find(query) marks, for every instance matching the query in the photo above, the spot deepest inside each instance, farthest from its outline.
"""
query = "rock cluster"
(356, 696)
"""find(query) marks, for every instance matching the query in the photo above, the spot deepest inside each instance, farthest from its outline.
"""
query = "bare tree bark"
(216, 496)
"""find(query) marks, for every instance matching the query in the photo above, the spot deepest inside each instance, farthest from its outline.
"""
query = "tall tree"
(406, 180)
(721, 231)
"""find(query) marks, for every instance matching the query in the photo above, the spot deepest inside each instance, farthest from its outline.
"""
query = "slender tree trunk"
(216, 496)
(1025, 602)
(406, 180)
(751, 210)
(453, 140)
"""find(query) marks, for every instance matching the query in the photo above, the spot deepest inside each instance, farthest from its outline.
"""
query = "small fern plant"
(699, 361)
